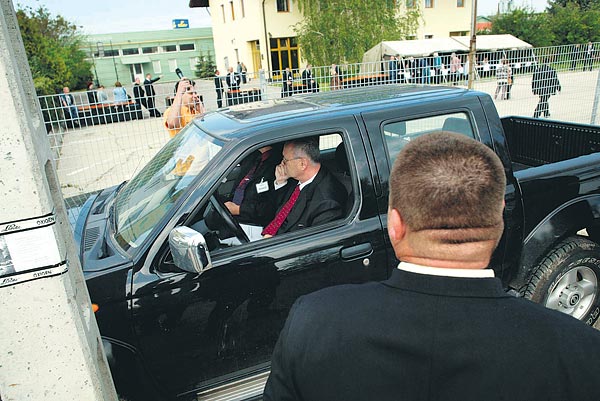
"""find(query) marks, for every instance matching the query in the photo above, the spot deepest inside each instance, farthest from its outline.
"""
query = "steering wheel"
(229, 220)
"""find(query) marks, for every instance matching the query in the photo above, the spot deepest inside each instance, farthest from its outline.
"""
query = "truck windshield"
(147, 198)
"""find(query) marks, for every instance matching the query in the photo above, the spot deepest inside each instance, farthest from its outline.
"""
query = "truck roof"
(231, 123)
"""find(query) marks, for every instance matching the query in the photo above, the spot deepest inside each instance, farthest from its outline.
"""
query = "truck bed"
(535, 142)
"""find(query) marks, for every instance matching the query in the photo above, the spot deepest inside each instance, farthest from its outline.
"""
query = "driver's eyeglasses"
(285, 161)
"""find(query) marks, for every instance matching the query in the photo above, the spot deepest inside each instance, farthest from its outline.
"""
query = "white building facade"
(260, 33)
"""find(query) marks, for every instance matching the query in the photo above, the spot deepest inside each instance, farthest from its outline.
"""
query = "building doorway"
(136, 71)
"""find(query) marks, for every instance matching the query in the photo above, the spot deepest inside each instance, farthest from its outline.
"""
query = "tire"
(568, 279)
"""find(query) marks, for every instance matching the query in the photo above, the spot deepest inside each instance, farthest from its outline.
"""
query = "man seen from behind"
(441, 327)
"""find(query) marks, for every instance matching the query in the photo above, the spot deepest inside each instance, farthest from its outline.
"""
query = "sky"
(109, 16)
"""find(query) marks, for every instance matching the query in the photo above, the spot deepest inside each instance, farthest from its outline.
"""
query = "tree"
(554, 5)
(205, 68)
(53, 48)
(338, 31)
(525, 24)
(573, 23)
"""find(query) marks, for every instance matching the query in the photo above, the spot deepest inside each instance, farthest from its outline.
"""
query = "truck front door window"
(145, 200)
(247, 200)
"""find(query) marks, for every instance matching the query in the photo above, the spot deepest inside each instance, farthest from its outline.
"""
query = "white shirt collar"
(305, 183)
(436, 271)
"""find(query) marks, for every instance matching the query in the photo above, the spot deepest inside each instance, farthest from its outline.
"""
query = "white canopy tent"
(426, 47)
(494, 42)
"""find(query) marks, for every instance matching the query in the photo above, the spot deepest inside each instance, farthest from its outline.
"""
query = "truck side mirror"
(189, 250)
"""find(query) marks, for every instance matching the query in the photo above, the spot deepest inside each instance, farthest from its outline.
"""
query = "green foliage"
(554, 5)
(206, 66)
(53, 47)
(525, 24)
(573, 22)
(340, 31)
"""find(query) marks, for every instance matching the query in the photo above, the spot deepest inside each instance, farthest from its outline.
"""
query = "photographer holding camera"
(186, 105)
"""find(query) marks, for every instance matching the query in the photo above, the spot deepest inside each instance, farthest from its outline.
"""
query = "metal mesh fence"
(100, 144)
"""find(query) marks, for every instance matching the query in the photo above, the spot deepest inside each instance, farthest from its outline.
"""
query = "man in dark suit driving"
(441, 327)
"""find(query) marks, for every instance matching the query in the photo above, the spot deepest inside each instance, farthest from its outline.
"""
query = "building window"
(410, 4)
(193, 62)
(460, 3)
(283, 6)
(172, 65)
(156, 67)
(111, 53)
(187, 46)
(242, 8)
(284, 53)
(428, 36)
(459, 33)
(428, 3)
(149, 50)
(170, 48)
(223, 12)
(130, 51)
(232, 10)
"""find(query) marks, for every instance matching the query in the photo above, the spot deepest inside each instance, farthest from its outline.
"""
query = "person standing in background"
(288, 79)
(244, 72)
(70, 109)
(393, 70)
(589, 57)
(101, 95)
(139, 95)
(544, 84)
(186, 105)
(120, 93)
(150, 95)
(91, 94)
(502, 73)
(335, 82)
(308, 80)
(219, 88)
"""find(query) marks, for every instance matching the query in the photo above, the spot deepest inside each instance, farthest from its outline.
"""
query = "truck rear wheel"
(568, 278)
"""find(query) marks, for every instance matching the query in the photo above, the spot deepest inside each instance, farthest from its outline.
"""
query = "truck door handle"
(357, 251)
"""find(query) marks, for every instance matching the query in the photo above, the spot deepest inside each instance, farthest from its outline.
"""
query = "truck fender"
(566, 220)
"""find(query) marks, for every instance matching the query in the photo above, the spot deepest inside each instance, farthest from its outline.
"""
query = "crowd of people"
(143, 96)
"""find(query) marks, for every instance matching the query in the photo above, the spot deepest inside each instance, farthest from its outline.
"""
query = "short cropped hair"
(448, 181)
(307, 147)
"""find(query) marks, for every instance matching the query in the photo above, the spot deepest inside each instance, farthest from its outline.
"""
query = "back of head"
(451, 184)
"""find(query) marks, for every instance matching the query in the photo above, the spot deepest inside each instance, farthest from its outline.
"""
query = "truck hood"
(91, 229)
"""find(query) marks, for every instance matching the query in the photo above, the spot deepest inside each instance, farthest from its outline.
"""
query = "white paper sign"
(28, 245)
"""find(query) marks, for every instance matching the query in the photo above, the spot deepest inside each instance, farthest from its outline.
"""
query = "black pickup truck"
(192, 310)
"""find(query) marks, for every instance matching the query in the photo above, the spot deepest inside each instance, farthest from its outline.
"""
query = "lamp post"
(472, 45)
(113, 58)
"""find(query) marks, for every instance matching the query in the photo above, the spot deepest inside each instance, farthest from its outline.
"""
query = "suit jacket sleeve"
(325, 211)
(280, 385)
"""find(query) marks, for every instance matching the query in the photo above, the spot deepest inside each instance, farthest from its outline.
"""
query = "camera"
(178, 72)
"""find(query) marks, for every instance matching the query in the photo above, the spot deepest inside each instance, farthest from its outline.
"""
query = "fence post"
(596, 100)
(49, 341)
(263, 85)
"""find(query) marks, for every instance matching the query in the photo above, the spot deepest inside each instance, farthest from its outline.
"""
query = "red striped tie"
(273, 226)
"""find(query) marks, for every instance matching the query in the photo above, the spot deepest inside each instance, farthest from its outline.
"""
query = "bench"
(365, 80)
(106, 113)
(240, 96)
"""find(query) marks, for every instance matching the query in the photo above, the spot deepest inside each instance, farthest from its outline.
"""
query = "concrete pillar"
(50, 348)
